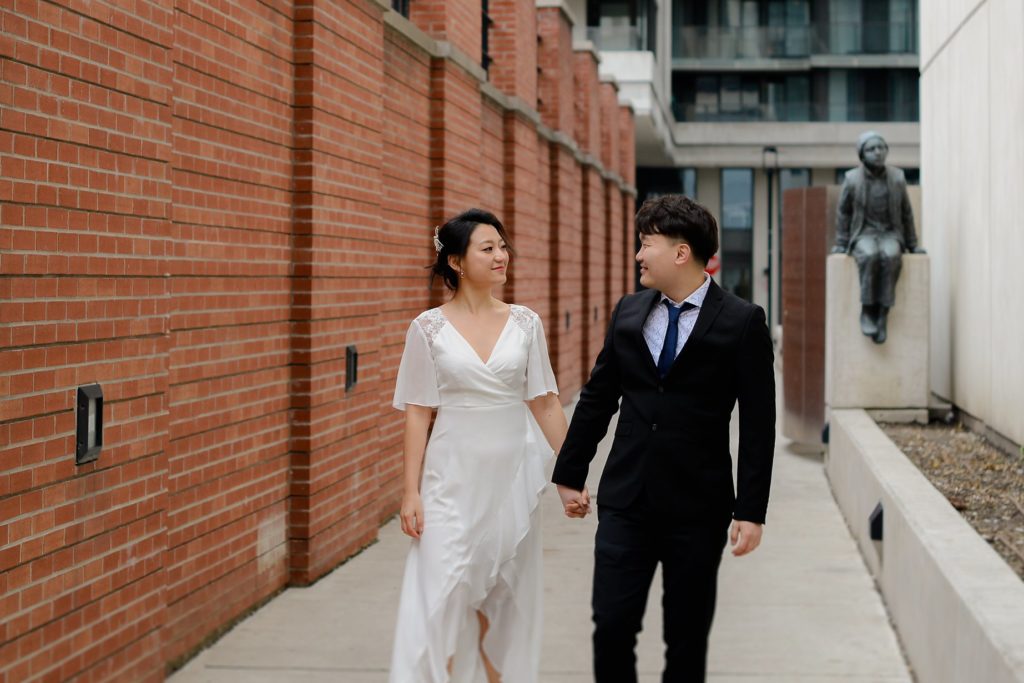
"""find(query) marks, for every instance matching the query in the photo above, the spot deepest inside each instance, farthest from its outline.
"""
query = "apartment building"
(738, 100)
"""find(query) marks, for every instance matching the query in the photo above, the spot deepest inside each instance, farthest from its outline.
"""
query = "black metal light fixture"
(89, 427)
(351, 367)
(875, 523)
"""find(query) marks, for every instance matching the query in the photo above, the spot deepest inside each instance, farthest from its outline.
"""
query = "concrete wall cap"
(510, 103)
(448, 51)
(439, 49)
(559, 138)
(558, 4)
(586, 46)
(609, 79)
(966, 624)
(412, 32)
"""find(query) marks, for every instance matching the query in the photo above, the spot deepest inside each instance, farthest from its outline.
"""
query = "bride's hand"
(575, 503)
(412, 515)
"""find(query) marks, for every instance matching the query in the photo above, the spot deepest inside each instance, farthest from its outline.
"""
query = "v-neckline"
(466, 341)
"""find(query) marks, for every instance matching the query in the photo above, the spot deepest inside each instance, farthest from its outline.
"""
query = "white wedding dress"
(483, 473)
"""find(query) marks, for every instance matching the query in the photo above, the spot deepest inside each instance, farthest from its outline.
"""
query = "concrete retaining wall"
(958, 607)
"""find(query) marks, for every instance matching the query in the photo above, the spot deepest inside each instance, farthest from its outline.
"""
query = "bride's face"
(486, 260)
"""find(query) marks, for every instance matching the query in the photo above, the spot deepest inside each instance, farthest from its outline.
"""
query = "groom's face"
(659, 259)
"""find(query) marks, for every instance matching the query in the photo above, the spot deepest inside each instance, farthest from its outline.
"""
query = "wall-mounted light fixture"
(351, 367)
(875, 523)
(89, 430)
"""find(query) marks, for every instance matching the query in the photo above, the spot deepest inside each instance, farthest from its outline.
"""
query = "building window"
(819, 95)
(741, 97)
(614, 25)
(738, 231)
(401, 6)
(870, 27)
(790, 178)
(689, 182)
(872, 95)
(485, 30)
(655, 181)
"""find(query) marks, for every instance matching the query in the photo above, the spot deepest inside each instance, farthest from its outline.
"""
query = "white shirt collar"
(697, 298)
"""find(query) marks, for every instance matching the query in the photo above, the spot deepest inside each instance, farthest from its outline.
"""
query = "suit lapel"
(647, 300)
(708, 312)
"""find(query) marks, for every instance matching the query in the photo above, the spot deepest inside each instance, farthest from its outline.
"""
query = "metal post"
(770, 164)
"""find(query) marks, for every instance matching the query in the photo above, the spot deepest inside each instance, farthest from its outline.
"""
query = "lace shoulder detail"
(523, 317)
(431, 321)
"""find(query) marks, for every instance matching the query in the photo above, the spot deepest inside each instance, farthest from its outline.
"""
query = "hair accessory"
(437, 243)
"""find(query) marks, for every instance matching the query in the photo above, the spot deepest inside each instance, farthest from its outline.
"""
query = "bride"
(470, 607)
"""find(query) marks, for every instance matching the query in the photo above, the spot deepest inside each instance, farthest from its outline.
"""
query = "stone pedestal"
(860, 373)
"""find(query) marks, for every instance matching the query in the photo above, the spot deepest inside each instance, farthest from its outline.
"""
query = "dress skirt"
(484, 470)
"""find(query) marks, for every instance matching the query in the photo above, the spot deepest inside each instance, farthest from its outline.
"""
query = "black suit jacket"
(672, 438)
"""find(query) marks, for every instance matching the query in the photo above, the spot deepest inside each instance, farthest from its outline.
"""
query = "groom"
(679, 355)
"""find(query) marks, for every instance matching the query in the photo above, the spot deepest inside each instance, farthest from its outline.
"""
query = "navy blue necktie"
(668, 349)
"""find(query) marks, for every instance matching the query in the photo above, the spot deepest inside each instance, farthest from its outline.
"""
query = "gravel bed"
(983, 482)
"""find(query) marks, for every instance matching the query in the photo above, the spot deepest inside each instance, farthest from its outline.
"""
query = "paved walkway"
(802, 608)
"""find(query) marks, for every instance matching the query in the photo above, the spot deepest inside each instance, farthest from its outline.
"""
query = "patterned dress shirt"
(657, 322)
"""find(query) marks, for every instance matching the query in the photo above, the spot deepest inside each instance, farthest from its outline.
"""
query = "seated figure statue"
(875, 224)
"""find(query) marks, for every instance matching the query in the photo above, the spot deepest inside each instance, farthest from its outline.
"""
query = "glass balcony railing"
(858, 38)
(798, 111)
(740, 42)
(789, 42)
(617, 37)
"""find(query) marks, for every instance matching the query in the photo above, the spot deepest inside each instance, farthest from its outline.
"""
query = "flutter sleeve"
(417, 375)
(540, 378)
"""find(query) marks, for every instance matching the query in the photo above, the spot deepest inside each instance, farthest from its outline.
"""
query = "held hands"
(412, 514)
(744, 537)
(575, 503)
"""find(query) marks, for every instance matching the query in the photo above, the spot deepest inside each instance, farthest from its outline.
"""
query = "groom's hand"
(575, 503)
(744, 537)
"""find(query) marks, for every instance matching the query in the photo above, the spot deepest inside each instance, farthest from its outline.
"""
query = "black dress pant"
(628, 547)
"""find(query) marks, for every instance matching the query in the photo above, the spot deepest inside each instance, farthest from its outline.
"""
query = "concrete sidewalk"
(802, 608)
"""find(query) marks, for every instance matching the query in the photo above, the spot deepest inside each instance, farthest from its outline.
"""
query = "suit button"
(654, 427)
(661, 389)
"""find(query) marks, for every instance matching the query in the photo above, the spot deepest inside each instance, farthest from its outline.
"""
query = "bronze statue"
(875, 224)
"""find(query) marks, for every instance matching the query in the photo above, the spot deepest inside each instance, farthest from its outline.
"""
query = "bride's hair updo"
(453, 240)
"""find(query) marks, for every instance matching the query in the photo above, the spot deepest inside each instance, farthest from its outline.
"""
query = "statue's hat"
(865, 138)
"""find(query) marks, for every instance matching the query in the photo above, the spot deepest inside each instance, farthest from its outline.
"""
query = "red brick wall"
(490, 171)
(406, 220)
(201, 209)
(230, 338)
(86, 190)
(555, 61)
(587, 101)
(513, 47)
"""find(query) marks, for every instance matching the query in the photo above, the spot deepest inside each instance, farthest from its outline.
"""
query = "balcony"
(793, 42)
(617, 38)
(797, 111)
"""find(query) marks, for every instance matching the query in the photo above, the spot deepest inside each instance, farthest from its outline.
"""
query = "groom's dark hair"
(679, 217)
